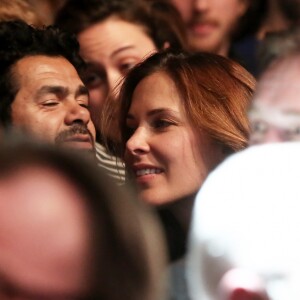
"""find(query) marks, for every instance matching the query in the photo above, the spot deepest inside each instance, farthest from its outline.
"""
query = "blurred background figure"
(66, 232)
(19, 10)
(211, 23)
(278, 17)
(275, 111)
(235, 28)
(114, 36)
(47, 9)
(276, 45)
(291, 9)
(225, 27)
(244, 240)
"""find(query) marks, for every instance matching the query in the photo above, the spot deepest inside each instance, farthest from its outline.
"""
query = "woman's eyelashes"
(157, 124)
(125, 67)
(161, 124)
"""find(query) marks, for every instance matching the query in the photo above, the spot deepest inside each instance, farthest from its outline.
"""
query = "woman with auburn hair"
(180, 115)
(114, 36)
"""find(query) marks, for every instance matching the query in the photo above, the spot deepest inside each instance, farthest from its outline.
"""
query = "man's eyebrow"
(82, 91)
(52, 89)
(61, 91)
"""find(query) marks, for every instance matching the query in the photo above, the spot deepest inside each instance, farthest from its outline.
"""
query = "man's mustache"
(74, 130)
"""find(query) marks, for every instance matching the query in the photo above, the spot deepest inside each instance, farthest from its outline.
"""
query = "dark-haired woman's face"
(167, 156)
(111, 48)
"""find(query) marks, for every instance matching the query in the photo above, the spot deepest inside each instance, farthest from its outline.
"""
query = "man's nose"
(76, 113)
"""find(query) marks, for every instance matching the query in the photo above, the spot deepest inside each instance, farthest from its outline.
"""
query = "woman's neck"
(182, 211)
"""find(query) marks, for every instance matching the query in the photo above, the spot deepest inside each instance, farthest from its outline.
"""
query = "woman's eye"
(293, 133)
(93, 80)
(126, 67)
(296, 130)
(161, 124)
(259, 127)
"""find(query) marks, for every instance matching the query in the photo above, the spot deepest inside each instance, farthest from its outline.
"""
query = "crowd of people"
(133, 158)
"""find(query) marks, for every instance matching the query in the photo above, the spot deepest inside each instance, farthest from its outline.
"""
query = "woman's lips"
(147, 171)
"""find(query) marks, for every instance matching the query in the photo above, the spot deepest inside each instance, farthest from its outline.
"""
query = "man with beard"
(41, 91)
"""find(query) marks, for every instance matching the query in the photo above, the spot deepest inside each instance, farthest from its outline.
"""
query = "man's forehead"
(280, 85)
(40, 67)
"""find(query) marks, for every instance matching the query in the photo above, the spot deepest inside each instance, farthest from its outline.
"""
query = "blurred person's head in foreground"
(114, 36)
(275, 111)
(244, 240)
(41, 91)
(67, 232)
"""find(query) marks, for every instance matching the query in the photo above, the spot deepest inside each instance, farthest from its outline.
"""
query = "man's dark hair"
(19, 40)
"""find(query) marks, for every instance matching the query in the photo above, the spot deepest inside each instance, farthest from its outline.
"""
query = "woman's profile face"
(110, 48)
(168, 158)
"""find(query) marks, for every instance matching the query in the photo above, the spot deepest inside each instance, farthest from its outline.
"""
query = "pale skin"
(45, 240)
(275, 111)
(210, 23)
(52, 102)
(168, 157)
(111, 48)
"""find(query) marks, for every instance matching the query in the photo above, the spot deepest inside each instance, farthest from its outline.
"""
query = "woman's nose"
(138, 143)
